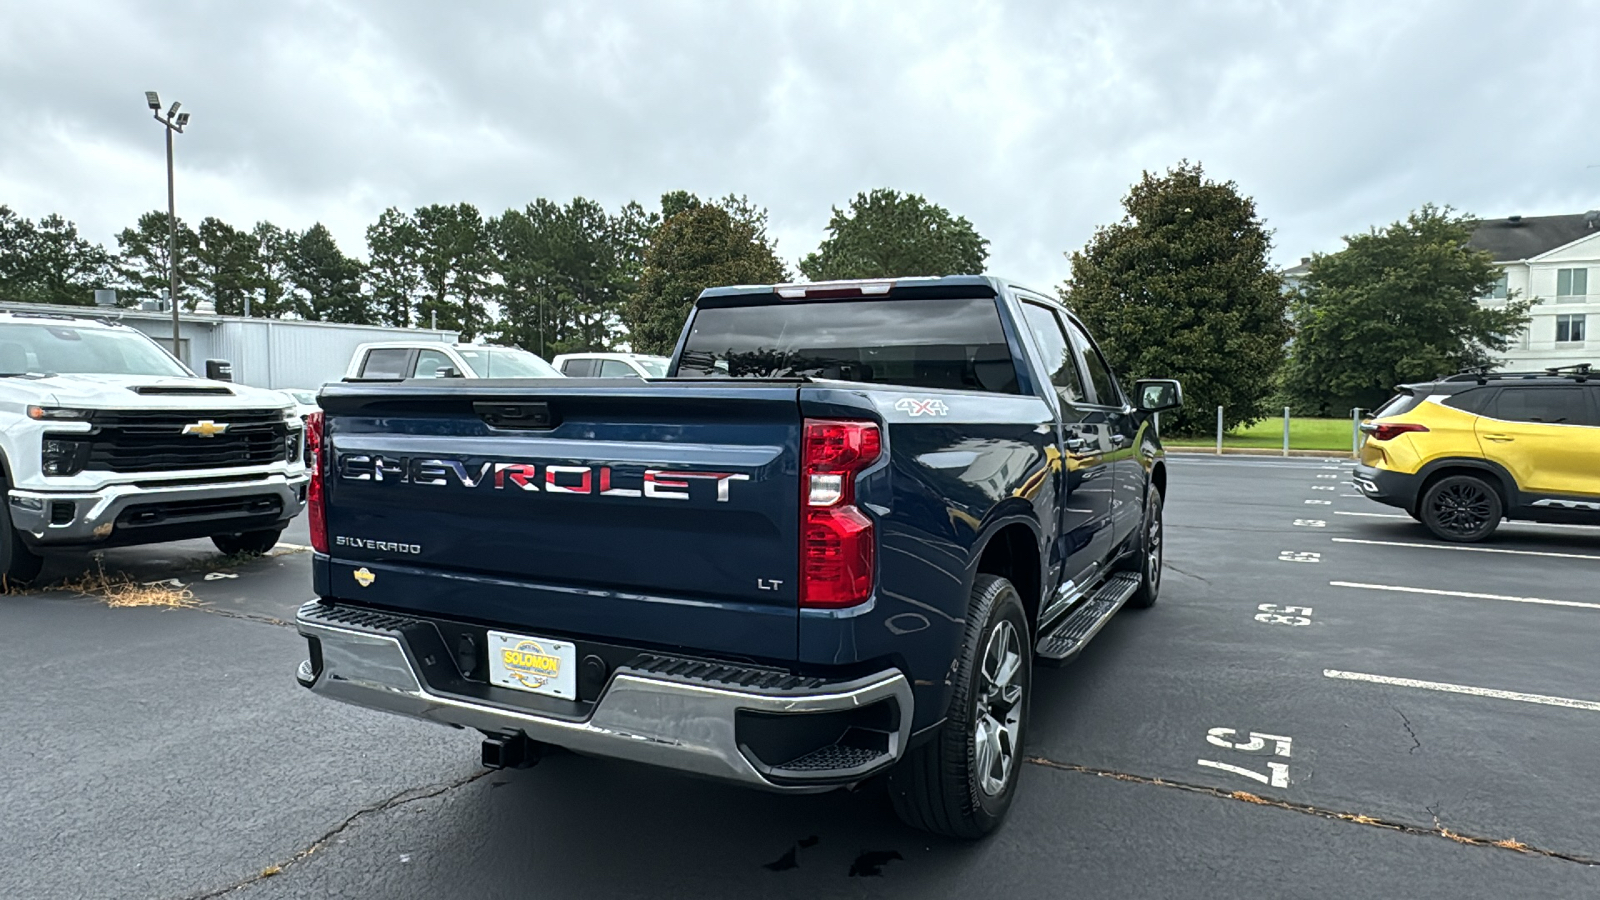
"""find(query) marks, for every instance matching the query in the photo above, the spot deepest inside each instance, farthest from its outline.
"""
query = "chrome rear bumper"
(644, 714)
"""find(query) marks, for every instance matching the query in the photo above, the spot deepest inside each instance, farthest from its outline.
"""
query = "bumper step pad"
(1069, 635)
(832, 759)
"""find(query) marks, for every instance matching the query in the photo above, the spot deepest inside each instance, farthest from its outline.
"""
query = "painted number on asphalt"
(1273, 614)
(1277, 774)
(1324, 487)
(1299, 556)
(1319, 502)
(1327, 476)
(1311, 523)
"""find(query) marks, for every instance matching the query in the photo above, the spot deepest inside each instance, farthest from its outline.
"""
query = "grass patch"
(1304, 434)
(120, 590)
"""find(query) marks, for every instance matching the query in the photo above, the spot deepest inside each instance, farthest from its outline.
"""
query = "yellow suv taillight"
(1386, 431)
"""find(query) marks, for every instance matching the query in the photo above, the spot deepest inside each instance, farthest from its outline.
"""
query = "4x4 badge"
(931, 406)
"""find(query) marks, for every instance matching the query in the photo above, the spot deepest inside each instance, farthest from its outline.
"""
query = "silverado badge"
(205, 428)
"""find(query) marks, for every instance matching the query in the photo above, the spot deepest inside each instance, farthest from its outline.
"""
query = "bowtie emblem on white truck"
(205, 428)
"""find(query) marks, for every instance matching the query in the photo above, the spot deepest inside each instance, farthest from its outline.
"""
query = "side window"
(1473, 401)
(578, 368)
(1544, 405)
(387, 362)
(1105, 389)
(615, 368)
(429, 362)
(1054, 350)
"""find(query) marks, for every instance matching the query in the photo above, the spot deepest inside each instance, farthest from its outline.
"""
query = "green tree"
(887, 234)
(49, 262)
(564, 274)
(1181, 288)
(699, 246)
(454, 259)
(394, 267)
(327, 283)
(1397, 304)
(227, 265)
(273, 294)
(142, 258)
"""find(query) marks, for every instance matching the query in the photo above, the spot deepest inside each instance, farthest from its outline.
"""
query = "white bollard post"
(1355, 431)
(1286, 431)
(1219, 431)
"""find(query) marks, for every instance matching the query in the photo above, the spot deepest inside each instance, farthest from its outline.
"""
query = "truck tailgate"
(650, 513)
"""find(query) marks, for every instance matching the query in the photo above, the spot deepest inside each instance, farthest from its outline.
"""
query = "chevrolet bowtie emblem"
(205, 428)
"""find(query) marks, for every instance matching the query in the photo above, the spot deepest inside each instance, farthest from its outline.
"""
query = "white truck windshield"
(28, 348)
(506, 363)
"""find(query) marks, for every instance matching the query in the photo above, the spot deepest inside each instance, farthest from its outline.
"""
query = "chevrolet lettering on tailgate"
(656, 484)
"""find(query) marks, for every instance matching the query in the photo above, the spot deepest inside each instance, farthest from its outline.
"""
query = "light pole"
(174, 122)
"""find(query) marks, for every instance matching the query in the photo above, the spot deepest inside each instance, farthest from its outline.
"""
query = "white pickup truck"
(107, 440)
(395, 360)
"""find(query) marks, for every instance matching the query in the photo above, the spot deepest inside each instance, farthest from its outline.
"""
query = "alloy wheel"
(1152, 548)
(998, 720)
(1462, 509)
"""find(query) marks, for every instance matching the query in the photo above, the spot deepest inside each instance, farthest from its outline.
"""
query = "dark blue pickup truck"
(830, 545)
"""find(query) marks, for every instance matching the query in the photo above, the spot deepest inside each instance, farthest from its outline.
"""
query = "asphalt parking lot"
(1326, 702)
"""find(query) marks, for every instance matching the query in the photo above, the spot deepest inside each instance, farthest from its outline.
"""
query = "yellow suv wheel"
(1461, 508)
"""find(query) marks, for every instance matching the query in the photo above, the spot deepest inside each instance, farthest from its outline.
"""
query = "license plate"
(535, 664)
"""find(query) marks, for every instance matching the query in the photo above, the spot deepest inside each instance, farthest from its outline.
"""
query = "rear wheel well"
(1013, 554)
(1493, 478)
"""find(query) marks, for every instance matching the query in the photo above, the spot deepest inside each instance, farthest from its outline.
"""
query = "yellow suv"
(1463, 453)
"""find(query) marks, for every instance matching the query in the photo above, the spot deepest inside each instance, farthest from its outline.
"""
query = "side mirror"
(219, 370)
(1158, 394)
(447, 372)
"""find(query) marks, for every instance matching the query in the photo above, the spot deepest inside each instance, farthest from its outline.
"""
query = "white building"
(1556, 261)
(268, 353)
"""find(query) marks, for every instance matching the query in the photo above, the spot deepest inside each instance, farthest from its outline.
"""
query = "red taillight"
(1385, 432)
(315, 499)
(836, 539)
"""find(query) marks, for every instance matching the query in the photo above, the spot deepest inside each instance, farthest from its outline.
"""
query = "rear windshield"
(1398, 405)
(942, 343)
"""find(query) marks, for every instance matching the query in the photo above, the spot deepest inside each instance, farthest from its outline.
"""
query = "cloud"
(1031, 119)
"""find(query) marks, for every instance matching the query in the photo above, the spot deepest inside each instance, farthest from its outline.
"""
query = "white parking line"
(1511, 524)
(1249, 465)
(1468, 549)
(1448, 688)
(1468, 594)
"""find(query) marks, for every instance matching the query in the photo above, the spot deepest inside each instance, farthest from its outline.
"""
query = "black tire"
(1152, 537)
(1461, 508)
(944, 786)
(19, 566)
(254, 543)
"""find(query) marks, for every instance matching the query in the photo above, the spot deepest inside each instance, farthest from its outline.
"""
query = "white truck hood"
(124, 392)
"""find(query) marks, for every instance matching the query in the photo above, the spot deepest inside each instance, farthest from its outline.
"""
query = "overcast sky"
(1029, 118)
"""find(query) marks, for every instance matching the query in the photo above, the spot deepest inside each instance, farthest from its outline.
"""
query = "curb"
(1252, 451)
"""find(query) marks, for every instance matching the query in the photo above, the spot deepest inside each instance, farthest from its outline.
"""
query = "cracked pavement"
(170, 754)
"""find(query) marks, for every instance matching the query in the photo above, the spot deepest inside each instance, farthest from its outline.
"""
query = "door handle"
(1499, 438)
(1076, 444)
